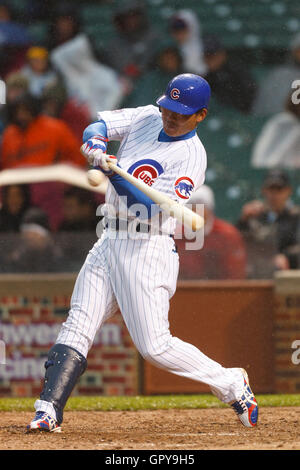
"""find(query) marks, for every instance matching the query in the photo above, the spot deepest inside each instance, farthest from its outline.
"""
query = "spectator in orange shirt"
(223, 255)
(33, 139)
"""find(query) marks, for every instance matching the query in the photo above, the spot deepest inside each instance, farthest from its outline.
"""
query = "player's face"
(176, 124)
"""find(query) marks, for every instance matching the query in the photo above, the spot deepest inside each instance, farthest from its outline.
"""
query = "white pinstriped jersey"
(174, 168)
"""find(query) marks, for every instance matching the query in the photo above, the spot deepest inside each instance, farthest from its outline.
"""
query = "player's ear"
(200, 115)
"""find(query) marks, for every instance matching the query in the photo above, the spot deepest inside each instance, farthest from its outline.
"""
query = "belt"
(130, 226)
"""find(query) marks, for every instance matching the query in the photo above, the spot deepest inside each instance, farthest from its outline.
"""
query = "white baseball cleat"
(246, 407)
(43, 422)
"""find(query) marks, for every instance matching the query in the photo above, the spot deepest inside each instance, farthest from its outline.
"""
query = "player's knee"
(154, 352)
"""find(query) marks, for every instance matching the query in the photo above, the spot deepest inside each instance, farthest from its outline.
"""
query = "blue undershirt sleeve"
(134, 196)
(96, 128)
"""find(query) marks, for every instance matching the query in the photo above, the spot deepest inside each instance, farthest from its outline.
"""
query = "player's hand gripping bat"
(180, 212)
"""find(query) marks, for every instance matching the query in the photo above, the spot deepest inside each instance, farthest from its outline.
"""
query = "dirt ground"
(156, 430)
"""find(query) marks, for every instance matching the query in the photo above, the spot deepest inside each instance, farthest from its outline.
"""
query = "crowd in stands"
(54, 89)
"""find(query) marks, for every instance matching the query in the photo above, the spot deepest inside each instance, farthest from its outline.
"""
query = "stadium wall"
(237, 323)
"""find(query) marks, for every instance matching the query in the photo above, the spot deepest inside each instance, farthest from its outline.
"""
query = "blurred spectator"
(79, 211)
(32, 139)
(270, 227)
(64, 25)
(36, 251)
(15, 201)
(55, 103)
(14, 40)
(88, 82)
(278, 144)
(38, 71)
(223, 255)
(231, 84)
(151, 85)
(276, 87)
(185, 29)
(131, 50)
(16, 85)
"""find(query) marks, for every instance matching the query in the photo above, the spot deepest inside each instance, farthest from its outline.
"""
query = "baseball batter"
(134, 265)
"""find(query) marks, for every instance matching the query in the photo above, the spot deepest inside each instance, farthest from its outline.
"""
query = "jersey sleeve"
(184, 177)
(118, 122)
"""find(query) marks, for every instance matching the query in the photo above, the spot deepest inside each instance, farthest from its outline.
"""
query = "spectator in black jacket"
(231, 85)
(15, 202)
(270, 227)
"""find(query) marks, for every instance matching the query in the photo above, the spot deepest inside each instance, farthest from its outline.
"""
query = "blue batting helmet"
(186, 94)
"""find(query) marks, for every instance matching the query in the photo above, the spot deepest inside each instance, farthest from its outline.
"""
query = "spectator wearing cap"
(278, 144)
(185, 29)
(275, 89)
(231, 84)
(273, 221)
(223, 255)
(38, 71)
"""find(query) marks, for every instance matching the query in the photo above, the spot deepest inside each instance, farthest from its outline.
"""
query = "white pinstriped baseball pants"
(139, 276)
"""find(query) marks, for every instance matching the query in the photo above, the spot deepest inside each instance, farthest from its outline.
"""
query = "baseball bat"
(181, 213)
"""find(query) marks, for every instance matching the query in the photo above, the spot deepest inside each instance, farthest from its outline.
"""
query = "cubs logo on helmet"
(175, 93)
(184, 187)
(146, 170)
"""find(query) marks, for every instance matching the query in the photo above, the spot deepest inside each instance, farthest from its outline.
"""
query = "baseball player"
(135, 270)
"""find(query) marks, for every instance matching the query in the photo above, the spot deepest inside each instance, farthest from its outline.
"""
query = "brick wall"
(229, 321)
(287, 332)
(266, 316)
(29, 325)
